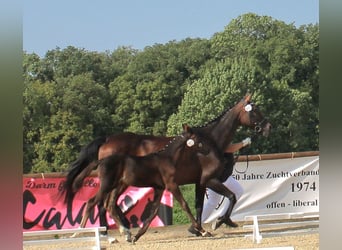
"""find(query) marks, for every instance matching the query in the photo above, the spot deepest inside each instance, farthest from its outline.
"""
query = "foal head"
(186, 145)
(251, 116)
(195, 141)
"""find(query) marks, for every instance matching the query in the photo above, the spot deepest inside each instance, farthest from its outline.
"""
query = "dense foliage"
(72, 95)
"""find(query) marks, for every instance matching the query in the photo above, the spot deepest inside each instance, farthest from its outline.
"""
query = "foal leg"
(117, 215)
(158, 193)
(179, 197)
(102, 217)
(91, 203)
(199, 200)
(105, 189)
(104, 205)
(218, 187)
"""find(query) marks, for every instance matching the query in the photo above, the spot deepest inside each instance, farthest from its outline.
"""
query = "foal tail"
(80, 169)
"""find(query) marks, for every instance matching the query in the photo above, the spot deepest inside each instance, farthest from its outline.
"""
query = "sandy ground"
(177, 237)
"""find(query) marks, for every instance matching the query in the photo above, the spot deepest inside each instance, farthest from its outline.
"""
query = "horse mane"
(213, 120)
(216, 118)
(167, 145)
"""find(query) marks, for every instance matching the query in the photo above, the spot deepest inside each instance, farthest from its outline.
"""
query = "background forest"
(71, 96)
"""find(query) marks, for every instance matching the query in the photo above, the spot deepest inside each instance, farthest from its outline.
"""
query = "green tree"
(151, 89)
(60, 117)
(37, 110)
(73, 95)
(264, 56)
(58, 141)
(31, 67)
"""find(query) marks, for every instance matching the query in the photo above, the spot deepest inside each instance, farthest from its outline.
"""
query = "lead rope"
(253, 137)
(244, 171)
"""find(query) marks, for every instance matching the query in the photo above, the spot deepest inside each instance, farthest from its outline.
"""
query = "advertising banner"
(275, 186)
(44, 207)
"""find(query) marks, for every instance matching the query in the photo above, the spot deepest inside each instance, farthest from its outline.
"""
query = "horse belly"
(187, 177)
(141, 176)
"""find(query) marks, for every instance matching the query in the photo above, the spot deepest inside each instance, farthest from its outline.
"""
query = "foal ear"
(187, 128)
(248, 97)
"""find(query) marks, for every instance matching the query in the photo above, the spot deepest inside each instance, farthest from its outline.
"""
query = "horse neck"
(223, 130)
(173, 149)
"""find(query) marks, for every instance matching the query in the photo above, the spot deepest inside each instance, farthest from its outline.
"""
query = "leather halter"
(258, 126)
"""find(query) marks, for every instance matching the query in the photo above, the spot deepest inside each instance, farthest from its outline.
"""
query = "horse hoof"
(192, 230)
(134, 240)
(206, 234)
(231, 223)
(128, 234)
(74, 235)
(104, 234)
(112, 240)
(128, 238)
(216, 224)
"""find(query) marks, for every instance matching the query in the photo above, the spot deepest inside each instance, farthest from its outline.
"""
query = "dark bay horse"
(161, 170)
(221, 130)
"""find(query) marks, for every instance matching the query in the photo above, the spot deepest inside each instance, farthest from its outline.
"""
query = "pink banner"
(44, 207)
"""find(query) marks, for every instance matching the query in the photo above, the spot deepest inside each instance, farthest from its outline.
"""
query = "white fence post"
(273, 221)
(78, 238)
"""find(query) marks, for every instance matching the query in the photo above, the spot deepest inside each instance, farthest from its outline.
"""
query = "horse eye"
(258, 129)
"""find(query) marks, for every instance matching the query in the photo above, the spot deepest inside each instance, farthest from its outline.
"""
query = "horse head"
(251, 116)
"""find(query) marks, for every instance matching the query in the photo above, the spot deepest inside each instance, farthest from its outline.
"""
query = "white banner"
(275, 186)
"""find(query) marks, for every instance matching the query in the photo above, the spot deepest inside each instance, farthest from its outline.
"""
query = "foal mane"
(172, 141)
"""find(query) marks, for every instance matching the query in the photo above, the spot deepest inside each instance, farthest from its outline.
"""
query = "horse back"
(132, 144)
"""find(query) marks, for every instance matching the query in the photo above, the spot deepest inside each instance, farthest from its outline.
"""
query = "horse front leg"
(174, 188)
(218, 187)
(158, 193)
(199, 200)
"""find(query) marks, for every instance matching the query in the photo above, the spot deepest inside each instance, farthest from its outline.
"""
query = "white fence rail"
(34, 237)
(294, 222)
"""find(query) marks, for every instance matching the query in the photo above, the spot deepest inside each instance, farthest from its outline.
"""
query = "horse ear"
(248, 97)
(187, 128)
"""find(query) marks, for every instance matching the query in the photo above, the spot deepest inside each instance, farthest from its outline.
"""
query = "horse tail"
(81, 168)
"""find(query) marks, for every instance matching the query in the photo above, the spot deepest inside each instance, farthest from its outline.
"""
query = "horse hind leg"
(158, 193)
(91, 203)
(117, 215)
(225, 219)
(102, 217)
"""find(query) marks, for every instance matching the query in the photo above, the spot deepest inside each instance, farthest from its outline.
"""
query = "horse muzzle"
(264, 128)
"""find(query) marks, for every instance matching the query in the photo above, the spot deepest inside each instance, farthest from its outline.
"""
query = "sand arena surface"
(177, 237)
